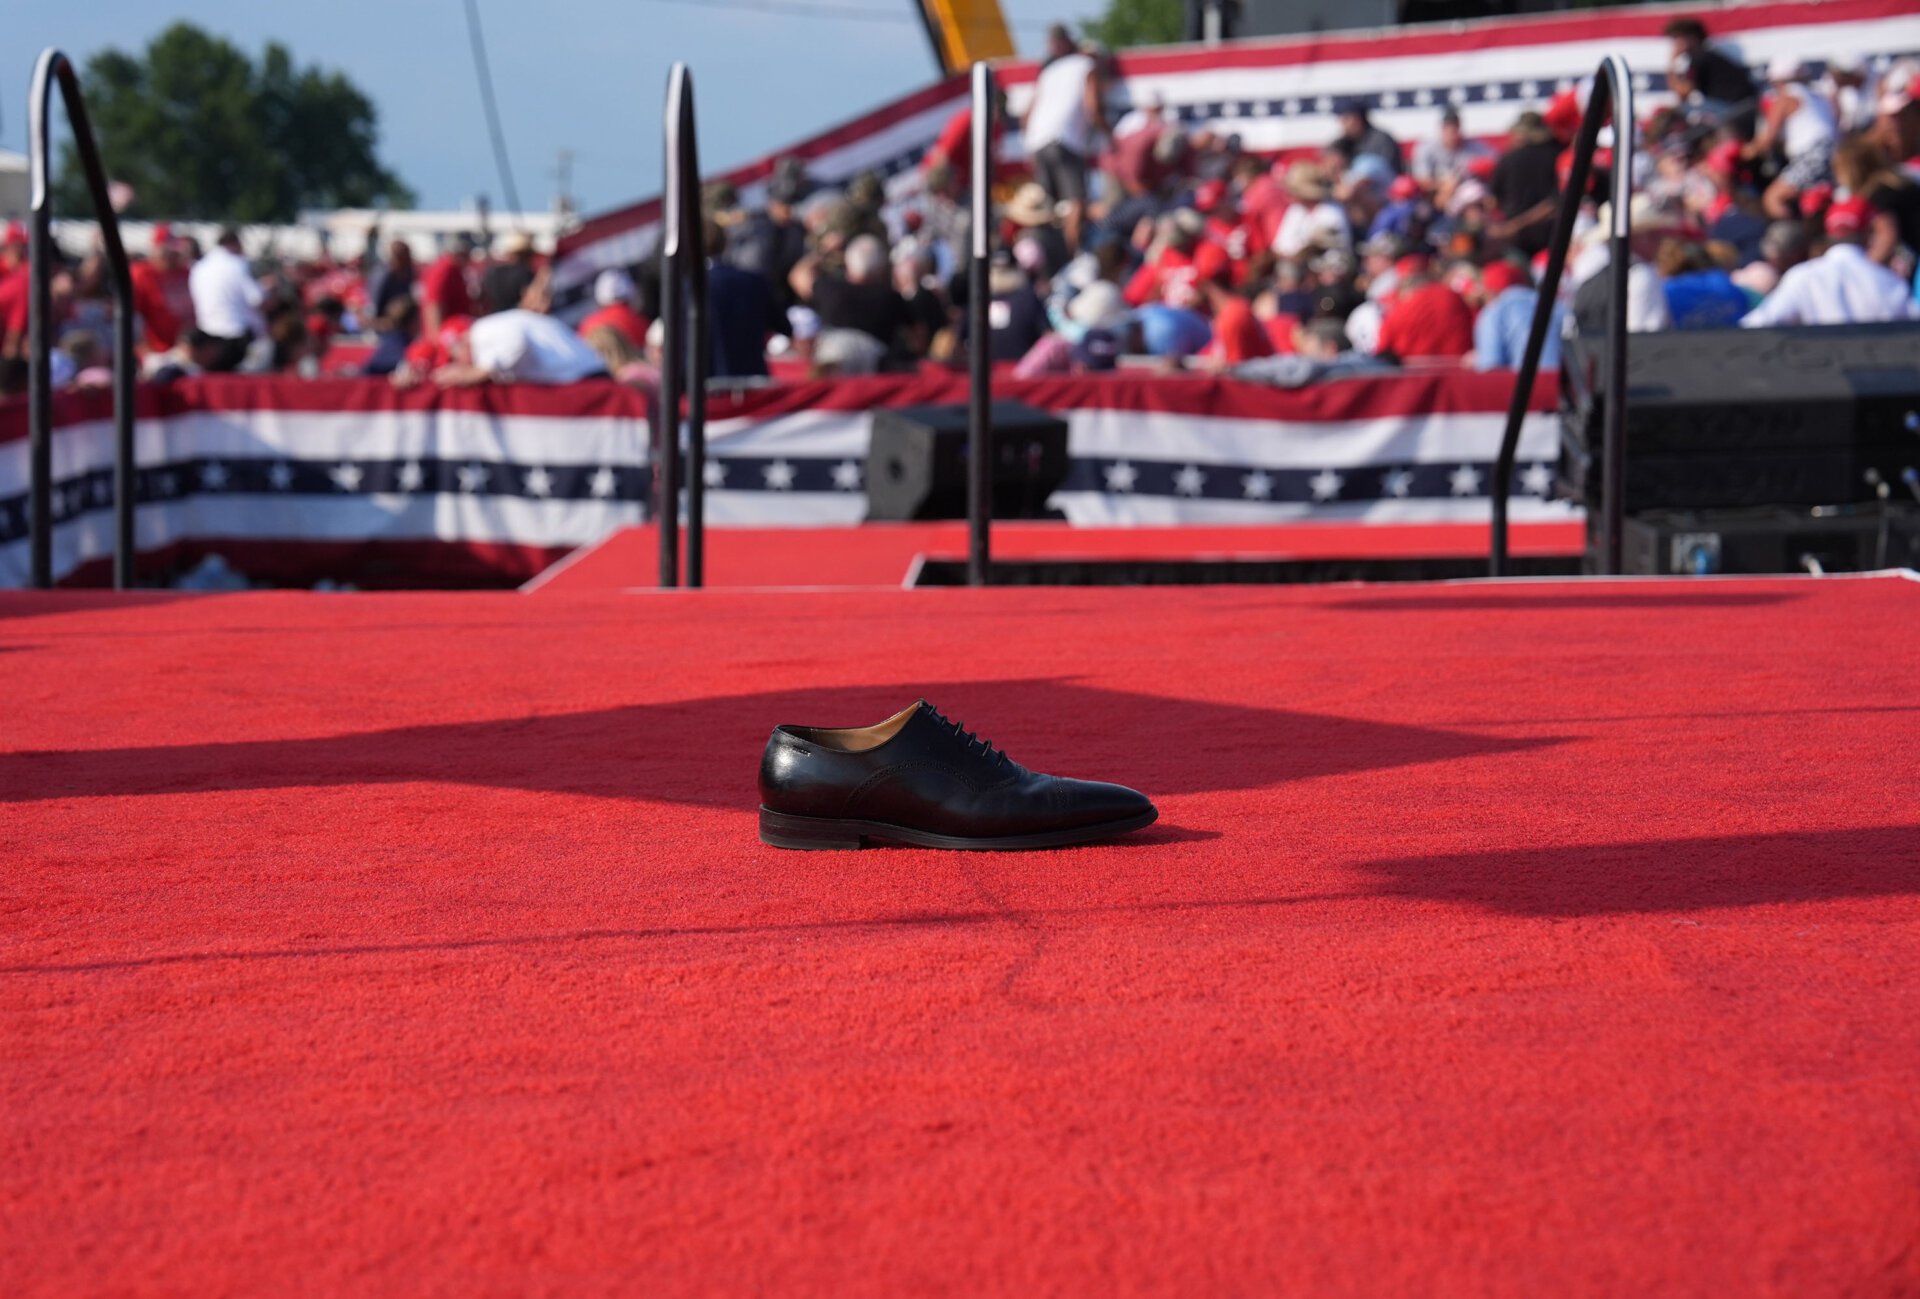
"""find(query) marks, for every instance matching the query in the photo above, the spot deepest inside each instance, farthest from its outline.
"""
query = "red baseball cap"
(1499, 276)
(1848, 217)
(1211, 264)
(1724, 158)
(1411, 264)
(1815, 197)
(16, 236)
(1481, 168)
(1562, 115)
(1209, 196)
(1403, 187)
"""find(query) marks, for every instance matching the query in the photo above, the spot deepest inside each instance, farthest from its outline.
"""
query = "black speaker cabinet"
(917, 463)
(1727, 418)
(1776, 539)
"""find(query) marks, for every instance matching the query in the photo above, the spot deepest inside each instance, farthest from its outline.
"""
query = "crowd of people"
(462, 318)
(1773, 200)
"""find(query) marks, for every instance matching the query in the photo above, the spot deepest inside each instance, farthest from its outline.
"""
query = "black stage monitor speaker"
(917, 463)
(1776, 539)
(1727, 418)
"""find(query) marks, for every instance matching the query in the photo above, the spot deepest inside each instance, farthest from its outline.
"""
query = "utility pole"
(563, 184)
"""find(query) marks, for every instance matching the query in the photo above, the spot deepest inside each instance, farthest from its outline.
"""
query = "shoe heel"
(784, 831)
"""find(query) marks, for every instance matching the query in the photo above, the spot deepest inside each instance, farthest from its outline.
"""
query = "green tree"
(1138, 22)
(199, 130)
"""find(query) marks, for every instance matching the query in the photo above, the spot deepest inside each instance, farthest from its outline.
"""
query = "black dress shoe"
(918, 778)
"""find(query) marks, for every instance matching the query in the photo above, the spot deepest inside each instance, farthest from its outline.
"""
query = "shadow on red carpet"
(706, 751)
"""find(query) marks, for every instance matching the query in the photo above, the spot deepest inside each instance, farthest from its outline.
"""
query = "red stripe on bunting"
(1421, 393)
(1383, 397)
(238, 394)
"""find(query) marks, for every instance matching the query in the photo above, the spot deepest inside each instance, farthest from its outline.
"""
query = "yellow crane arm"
(966, 31)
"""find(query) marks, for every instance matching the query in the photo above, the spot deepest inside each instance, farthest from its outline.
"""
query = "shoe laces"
(968, 738)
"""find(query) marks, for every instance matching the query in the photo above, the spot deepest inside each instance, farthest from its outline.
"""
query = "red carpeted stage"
(1527, 938)
(889, 554)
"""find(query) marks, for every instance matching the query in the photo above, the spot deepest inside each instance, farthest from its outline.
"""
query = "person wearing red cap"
(1842, 286)
(1237, 336)
(1407, 213)
(1501, 329)
(1216, 201)
(1427, 319)
(1864, 169)
(1167, 273)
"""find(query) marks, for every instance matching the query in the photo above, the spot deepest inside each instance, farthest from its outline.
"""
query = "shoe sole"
(817, 833)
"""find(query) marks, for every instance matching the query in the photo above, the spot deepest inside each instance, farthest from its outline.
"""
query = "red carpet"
(1556, 939)
(881, 554)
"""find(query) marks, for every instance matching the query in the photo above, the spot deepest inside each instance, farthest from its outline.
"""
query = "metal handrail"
(1612, 88)
(54, 68)
(979, 336)
(685, 350)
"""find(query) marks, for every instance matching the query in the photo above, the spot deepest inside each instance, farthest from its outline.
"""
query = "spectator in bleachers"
(395, 332)
(1064, 114)
(504, 284)
(613, 295)
(1782, 247)
(742, 312)
(1427, 319)
(1862, 167)
(393, 280)
(1798, 131)
(771, 240)
(1364, 139)
(1445, 160)
(1696, 70)
(1700, 293)
(1501, 330)
(1526, 185)
(1842, 286)
(861, 297)
(227, 300)
(444, 292)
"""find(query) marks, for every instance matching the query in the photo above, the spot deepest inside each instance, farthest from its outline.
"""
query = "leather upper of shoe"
(918, 769)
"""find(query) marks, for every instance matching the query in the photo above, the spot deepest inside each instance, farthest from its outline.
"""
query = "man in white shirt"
(226, 300)
(1062, 118)
(1842, 286)
(519, 346)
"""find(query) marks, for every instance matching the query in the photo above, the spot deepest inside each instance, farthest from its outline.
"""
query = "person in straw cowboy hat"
(1314, 220)
(1033, 212)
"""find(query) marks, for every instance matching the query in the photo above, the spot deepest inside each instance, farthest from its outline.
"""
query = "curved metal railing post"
(980, 390)
(673, 360)
(54, 68)
(1612, 90)
(685, 354)
(699, 339)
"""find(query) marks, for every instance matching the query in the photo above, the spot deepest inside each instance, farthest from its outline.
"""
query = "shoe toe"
(1094, 802)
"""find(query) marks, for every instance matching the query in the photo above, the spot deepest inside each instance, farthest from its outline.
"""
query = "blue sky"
(587, 75)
